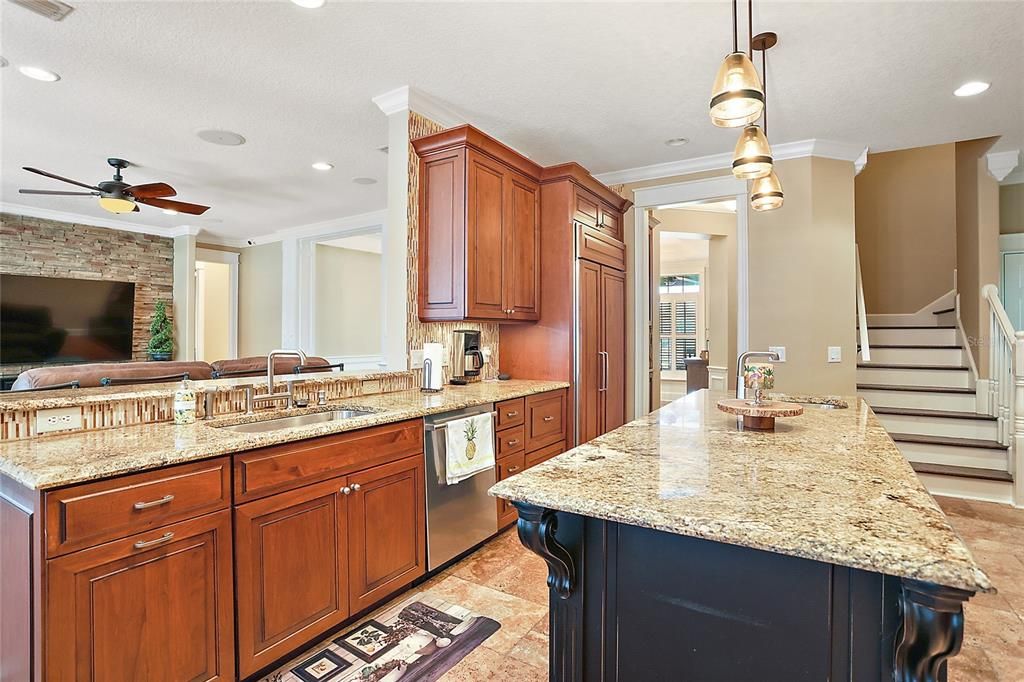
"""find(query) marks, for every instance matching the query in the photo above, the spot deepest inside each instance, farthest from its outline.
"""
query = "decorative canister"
(759, 377)
(185, 404)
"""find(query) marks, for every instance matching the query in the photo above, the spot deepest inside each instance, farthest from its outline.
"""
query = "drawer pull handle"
(548, 418)
(512, 470)
(514, 441)
(155, 503)
(160, 540)
(513, 413)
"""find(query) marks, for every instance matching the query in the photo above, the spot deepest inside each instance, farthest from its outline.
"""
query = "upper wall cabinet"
(479, 231)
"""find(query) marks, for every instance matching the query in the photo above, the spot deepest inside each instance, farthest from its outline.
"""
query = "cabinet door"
(387, 534)
(485, 242)
(613, 342)
(591, 364)
(292, 570)
(442, 237)
(522, 267)
(154, 606)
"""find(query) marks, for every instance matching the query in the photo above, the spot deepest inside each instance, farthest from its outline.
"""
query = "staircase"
(921, 387)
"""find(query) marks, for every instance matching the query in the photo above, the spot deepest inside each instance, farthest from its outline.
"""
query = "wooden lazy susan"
(760, 416)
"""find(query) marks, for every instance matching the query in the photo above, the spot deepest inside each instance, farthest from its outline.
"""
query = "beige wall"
(906, 227)
(348, 302)
(216, 303)
(977, 243)
(259, 299)
(1011, 208)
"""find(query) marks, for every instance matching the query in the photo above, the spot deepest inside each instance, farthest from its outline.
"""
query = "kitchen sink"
(297, 420)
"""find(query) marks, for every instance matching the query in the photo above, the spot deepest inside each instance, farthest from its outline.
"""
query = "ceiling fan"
(118, 196)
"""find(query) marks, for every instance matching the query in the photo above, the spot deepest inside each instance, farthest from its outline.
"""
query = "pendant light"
(736, 97)
(765, 191)
(753, 156)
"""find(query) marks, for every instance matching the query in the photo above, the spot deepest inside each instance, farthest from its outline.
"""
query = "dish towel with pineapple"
(469, 447)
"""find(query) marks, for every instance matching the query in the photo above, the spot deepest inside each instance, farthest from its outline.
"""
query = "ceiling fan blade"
(153, 189)
(179, 206)
(57, 177)
(57, 193)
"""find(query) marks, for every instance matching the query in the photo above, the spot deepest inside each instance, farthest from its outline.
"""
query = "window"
(678, 324)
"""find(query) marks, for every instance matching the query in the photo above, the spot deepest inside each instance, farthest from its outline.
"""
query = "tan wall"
(1011, 208)
(348, 302)
(977, 243)
(259, 299)
(906, 227)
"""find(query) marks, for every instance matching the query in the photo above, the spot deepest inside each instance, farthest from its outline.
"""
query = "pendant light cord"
(750, 28)
(735, 28)
(764, 86)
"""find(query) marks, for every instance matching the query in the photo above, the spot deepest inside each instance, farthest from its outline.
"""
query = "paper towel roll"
(434, 352)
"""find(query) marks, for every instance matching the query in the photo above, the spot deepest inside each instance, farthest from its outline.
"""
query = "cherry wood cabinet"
(479, 231)
(387, 538)
(602, 379)
(156, 606)
(292, 570)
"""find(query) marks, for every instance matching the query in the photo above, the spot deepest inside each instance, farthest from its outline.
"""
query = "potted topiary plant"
(161, 334)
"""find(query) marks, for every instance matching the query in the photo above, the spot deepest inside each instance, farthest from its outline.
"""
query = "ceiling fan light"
(117, 204)
(753, 156)
(766, 193)
(737, 97)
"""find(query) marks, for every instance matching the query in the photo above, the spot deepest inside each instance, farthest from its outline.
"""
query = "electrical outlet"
(416, 359)
(486, 352)
(835, 354)
(781, 350)
(58, 419)
(371, 386)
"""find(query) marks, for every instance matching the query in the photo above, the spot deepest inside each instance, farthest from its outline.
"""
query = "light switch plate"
(781, 350)
(416, 359)
(835, 354)
(58, 419)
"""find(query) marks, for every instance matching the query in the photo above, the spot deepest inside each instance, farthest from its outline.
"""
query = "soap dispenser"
(185, 403)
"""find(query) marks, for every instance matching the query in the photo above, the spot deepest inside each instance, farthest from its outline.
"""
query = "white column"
(184, 296)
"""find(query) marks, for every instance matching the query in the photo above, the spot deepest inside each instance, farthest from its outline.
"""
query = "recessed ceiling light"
(3, 62)
(39, 74)
(971, 88)
(364, 181)
(170, 211)
(323, 166)
(221, 137)
(676, 142)
(309, 4)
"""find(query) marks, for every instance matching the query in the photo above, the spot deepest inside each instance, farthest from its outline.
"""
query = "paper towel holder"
(428, 368)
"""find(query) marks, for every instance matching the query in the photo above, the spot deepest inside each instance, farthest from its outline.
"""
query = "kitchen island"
(682, 547)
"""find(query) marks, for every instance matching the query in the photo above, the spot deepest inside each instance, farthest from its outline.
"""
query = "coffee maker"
(467, 358)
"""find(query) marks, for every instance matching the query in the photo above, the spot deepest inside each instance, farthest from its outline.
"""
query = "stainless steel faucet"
(289, 394)
(741, 390)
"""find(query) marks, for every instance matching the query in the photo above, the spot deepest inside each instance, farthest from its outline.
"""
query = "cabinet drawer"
(283, 467)
(587, 208)
(92, 513)
(508, 466)
(600, 247)
(544, 454)
(545, 419)
(510, 412)
(611, 223)
(511, 440)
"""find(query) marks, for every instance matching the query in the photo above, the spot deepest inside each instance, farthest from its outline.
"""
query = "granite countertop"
(59, 460)
(828, 485)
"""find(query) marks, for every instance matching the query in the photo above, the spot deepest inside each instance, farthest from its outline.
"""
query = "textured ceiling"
(602, 84)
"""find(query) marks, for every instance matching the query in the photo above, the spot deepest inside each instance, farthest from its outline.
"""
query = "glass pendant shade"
(737, 97)
(766, 193)
(117, 204)
(753, 157)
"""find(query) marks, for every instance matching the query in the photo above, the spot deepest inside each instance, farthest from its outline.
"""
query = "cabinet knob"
(347, 490)
(513, 413)
(356, 487)
(548, 418)
(512, 470)
(513, 442)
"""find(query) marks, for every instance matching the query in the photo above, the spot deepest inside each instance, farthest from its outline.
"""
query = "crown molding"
(828, 149)
(93, 221)
(324, 227)
(407, 98)
(1002, 164)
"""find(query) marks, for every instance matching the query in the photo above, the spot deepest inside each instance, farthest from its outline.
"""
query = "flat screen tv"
(53, 320)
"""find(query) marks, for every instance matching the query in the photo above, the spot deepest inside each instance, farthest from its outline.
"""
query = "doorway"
(216, 291)
(1011, 285)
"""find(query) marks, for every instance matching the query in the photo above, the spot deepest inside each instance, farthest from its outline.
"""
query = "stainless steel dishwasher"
(458, 516)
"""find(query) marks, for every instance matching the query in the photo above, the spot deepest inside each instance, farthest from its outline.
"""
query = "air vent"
(51, 9)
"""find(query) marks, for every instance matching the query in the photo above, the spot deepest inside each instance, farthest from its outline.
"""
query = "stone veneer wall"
(440, 332)
(48, 248)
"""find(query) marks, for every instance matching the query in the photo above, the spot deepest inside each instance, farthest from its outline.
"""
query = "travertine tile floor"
(506, 582)
(993, 647)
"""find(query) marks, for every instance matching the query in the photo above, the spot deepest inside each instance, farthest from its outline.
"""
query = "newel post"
(1016, 452)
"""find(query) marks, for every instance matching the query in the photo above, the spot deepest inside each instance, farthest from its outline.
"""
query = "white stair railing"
(1006, 384)
(862, 316)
